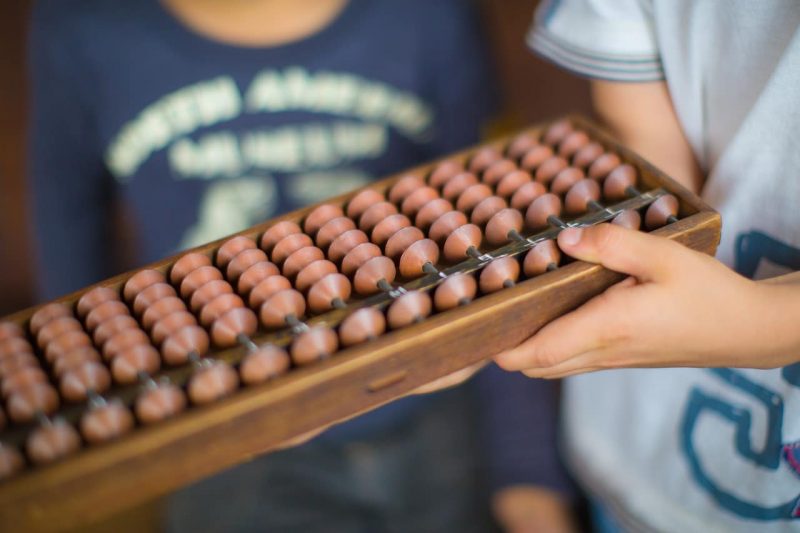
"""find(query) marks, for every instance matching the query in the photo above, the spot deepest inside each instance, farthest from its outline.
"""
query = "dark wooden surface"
(101, 481)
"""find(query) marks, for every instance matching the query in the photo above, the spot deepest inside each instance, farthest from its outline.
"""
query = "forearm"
(778, 319)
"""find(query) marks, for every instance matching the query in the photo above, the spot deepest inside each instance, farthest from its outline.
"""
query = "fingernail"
(571, 236)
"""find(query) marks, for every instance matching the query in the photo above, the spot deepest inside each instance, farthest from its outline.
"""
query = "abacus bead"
(446, 224)
(587, 155)
(327, 289)
(10, 330)
(511, 182)
(659, 212)
(403, 187)
(414, 201)
(332, 229)
(358, 256)
(472, 196)
(603, 165)
(125, 367)
(197, 278)
(618, 180)
(483, 158)
(114, 325)
(388, 227)
(526, 194)
(497, 274)
(47, 313)
(77, 382)
(159, 403)
(288, 245)
(454, 291)
(208, 292)
(565, 179)
(549, 168)
(254, 275)
(557, 131)
(186, 264)
(105, 311)
(152, 294)
(573, 142)
(431, 211)
(317, 343)
(409, 308)
(231, 248)
(629, 218)
(497, 171)
(65, 343)
(14, 346)
(244, 260)
(73, 359)
(172, 323)
(177, 347)
(160, 309)
(312, 273)
(362, 201)
(300, 259)
(267, 288)
(444, 171)
(265, 363)
(344, 243)
(463, 238)
(56, 327)
(124, 340)
(370, 273)
(11, 461)
(535, 157)
(416, 256)
(320, 216)
(458, 184)
(212, 383)
(22, 378)
(23, 405)
(375, 214)
(541, 208)
(362, 325)
(521, 144)
(13, 362)
(50, 442)
(401, 240)
(540, 257)
(279, 306)
(486, 209)
(140, 281)
(277, 232)
(93, 298)
(577, 199)
(237, 321)
(501, 224)
(105, 423)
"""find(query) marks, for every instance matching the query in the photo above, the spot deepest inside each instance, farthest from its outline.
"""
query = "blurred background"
(531, 90)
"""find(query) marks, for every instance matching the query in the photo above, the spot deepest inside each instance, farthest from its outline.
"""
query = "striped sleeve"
(612, 40)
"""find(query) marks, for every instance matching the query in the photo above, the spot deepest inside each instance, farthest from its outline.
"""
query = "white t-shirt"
(700, 449)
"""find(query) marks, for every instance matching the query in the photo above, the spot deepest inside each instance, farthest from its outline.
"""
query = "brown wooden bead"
(629, 218)
(197, 278)
(105, 311)
(22, 378)
(460, 241)
(301, 259)
(49, 443)
(403, 187)
(276, 233)
(235, 322)
(486, 209)
(231, 248)
(128, 363)
(312, 273)
(124, 340)
(322, 294)
(500, 226)
(572, 142)
(45, 314)
(497, 171)
(172, 323)
(254, 275)
(388, 227)
(660, 211)
(603, 165)
(429, 212)
(587, 155)
(617, 182)
(288, 245)
(472, 196)
(186, 264)
(458, 184)
(521, 144)
(543, 207)
(401, 240)
(362, 201)
(64, 343)
(212, 383)
(278, 307)
(362, 325)
(332, 229)
(56, 327)
(414, 201)
(319, 216)
(14, 362)
(345, 242)
(106, 422)
(267, 288)
(445, 225)
(375, 214)
(24, 404)
(11, 461)
(162, 308)
(409, 308)
(565, 179)
(371, 272)
(458, 289)
(549, 168)
(13, 346)
(513, 181)
(416, 256)
(484, 158)
(267, 362)
(556, 132)
(534, 157)
(317, 343)
(140, 281)
(158, 403)
(358, 256)
(74, 358)
(500, 273)
(150, 295)
(208, 292)
(580, 195)
(93, 298)
(541, 258)
(191, 339)
(10, 330)
(526, 194)
(444, 171)
(76, 383)
(244, 260)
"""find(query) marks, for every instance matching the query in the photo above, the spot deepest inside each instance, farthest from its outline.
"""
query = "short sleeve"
(612, 40)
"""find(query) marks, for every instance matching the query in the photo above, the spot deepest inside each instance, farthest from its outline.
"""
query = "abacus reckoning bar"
(127, 390)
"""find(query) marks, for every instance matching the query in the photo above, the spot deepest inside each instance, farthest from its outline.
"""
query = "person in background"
(203, 117)
(708, 91)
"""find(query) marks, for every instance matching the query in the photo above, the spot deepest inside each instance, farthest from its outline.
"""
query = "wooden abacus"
(124, 391)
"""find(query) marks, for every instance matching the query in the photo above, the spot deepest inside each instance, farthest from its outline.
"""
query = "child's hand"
(678, 308)
(532, 510)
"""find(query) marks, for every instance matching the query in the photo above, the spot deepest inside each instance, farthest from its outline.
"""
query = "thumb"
(647, 257)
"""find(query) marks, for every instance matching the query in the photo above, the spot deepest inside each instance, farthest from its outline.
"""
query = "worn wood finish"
(151, 461)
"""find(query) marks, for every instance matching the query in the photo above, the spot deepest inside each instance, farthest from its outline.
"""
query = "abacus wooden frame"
(152, 461)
